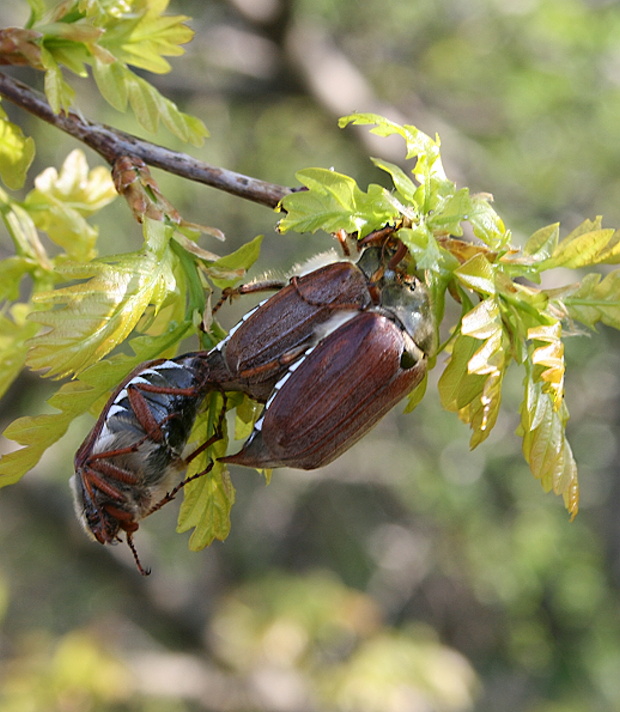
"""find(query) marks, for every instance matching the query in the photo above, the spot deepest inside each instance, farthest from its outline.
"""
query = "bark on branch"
(111, 144)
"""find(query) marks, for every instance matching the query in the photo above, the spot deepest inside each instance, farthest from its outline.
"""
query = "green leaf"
(86, 320)
(59, 94)
(16, 153)
(545, 447)
(418, 143)
(477, 274)
(334, 202)
(61, 201)
(550, 358)
(241, 259)
(582, 250)
(110, 78)
(403, 184)
(595, 300)
(416, 395)
(143, 35)
(208, 500)
(457, 386)
(486, 223)
(541, 245)
(490, 361)
(150, 107)
(15, 332)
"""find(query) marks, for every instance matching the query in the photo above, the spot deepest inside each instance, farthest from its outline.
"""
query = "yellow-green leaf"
(545, 447)
(16, 153)
(208, 500)
(477, 274)
(88, 319)
(596, 300)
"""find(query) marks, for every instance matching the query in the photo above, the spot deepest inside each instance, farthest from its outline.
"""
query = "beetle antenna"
(134, 551)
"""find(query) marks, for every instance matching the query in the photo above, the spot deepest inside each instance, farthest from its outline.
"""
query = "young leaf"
(14, 334)
(550, 357)
(457, 386)
(60, 202)
(545, 446)
(241, 259)
(144, 35)
(542, 244)
(477, 274)
(86, 320)
(418, 143)
(208, 500)
(595, 300)
(334, 202)
(16, 153)
(489, 361)
(486, 223)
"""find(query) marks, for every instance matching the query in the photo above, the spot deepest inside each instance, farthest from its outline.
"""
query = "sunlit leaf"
(241, 259)
(545, 446)
(16, 153)
(541, 245)
(596, 300)
(457, 386)
(477, 274)
(403, 184)
(208, 500)
(333, 202)
(419, 144)
(60, 202)
(581, 250)
(490, 361)
(86, 320)
(550, 356)
(486, 223)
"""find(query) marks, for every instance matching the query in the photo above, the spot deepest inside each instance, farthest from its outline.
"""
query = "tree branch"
(111, 144)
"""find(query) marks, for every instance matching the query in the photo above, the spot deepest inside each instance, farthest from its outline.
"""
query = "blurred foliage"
(456, 551)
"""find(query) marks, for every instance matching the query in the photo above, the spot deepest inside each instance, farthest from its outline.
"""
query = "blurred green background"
(410, 575)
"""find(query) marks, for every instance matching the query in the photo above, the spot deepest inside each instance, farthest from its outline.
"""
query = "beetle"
(258, 350)
(134, 453)
(128, 465)
(343, 385)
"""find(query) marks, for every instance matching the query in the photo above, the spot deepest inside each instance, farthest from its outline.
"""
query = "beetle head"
(409, 302)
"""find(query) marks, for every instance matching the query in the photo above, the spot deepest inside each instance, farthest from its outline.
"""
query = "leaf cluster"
(109, 37)
(506, 316)
(67, 312)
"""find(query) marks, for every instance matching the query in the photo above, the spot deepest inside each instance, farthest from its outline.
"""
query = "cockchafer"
(133, 457)
(259, 349)
(366, 362)
(131, 462)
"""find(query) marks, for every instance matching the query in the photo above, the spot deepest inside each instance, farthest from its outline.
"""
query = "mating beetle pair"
(330, 353)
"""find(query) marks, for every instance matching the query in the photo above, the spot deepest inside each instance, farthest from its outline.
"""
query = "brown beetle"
(133, 455)
(259, 349)
(344, 385)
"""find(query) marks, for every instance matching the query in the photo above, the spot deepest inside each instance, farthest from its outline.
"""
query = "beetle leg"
(228, 294)
(175, 490)
(217, 435)
(136, 558)
(101, 467)
(143, 414)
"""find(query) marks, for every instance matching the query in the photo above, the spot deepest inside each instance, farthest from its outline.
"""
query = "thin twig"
(111, 144)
